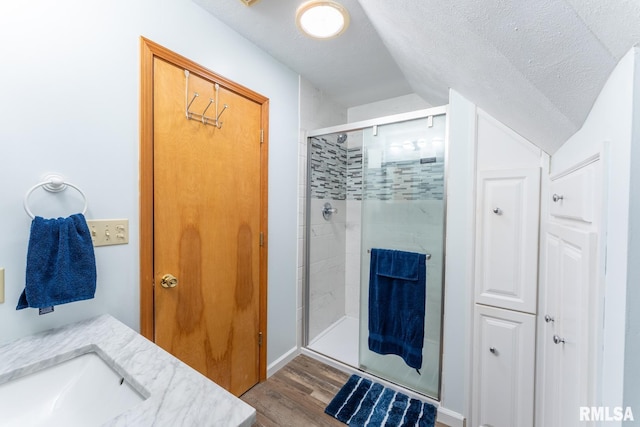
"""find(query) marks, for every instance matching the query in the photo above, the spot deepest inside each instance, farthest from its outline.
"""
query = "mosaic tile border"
(336, 173)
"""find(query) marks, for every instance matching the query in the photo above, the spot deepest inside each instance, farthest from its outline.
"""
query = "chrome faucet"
(328, 210)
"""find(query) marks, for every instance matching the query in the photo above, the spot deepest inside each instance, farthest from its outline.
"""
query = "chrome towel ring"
(53, 184)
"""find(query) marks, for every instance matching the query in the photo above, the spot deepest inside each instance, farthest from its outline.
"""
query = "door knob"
(169, 281)
(549, 319)
(558, 340)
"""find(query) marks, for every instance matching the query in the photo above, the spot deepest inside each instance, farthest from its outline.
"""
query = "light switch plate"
(109, 231)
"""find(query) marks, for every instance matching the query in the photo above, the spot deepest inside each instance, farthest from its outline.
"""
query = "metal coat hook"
(202, 117)
(195, 95)
(218, 122)
(205, 118)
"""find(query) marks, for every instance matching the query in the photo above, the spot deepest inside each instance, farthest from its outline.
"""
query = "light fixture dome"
(322, 19)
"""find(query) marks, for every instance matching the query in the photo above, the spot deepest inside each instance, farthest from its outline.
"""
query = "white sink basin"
(83, 391)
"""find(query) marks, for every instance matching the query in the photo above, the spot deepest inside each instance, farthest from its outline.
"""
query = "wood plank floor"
(297, 394)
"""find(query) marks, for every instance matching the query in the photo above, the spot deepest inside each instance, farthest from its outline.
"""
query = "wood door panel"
(207, 212)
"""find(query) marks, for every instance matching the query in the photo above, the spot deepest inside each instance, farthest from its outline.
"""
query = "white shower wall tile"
(394, 225)
(327, 303)
(300, 292)
(352, 299)
(302, 162)
(302, 170)
(326, 266)
(302, 167)
(354, 210)
(352, 258)
(299, 322)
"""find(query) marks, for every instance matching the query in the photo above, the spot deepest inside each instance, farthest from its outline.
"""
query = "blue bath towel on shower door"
(397, 291)
(61, 265)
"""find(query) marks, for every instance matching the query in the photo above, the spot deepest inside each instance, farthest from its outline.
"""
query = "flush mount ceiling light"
(322, 19)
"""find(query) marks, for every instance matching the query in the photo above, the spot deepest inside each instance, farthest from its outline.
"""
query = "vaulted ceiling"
(536, 65)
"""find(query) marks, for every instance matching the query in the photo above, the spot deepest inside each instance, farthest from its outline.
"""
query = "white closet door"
(504, 361)
(507, 238)
(568, 270)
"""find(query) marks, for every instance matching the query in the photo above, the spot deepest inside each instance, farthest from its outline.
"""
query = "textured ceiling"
(535, 65)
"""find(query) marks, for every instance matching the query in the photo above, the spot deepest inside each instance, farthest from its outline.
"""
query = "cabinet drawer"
(572, 194)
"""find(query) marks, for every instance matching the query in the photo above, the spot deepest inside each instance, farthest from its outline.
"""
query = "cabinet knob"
(549, 319)
(557, 198)
(493, 350)
(558, 340)
(497, 211)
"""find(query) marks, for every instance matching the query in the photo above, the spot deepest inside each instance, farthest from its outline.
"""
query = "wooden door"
(208, 226)
(567, 339)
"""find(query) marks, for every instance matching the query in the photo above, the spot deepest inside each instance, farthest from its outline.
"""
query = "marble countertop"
(177, 395)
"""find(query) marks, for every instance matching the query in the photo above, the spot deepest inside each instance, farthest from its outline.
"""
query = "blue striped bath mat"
(361, 402)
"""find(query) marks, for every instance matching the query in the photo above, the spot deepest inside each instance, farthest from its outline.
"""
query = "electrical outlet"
(109, 231)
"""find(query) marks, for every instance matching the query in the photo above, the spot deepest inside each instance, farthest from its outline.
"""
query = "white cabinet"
(567, 324)
(570, 310)
(507, 224)
(506, 279)
(507, 238)
(504, 362)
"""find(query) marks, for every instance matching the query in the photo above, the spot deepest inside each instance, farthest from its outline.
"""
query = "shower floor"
(339, 341)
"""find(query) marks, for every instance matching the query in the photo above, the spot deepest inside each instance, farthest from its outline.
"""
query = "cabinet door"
(504, 358)
(567, 325)
(507, 239)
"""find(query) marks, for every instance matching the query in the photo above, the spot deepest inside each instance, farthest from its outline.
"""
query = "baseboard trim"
(282, 361)
(450, 418)
(445, 416)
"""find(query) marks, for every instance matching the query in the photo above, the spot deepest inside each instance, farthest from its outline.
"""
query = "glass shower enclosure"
(376, 184)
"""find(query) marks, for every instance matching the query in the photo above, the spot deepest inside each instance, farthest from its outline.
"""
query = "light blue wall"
(69, 104)
(631, 397)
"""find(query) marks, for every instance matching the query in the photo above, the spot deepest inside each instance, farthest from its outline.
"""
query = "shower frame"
(355, 126)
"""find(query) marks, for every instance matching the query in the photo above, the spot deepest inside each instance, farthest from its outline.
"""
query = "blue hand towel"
(397, 290)
(61, 265)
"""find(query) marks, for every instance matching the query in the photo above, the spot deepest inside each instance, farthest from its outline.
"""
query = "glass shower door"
(403, 208)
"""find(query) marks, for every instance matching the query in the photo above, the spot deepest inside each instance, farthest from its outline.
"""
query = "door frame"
(148, 52)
